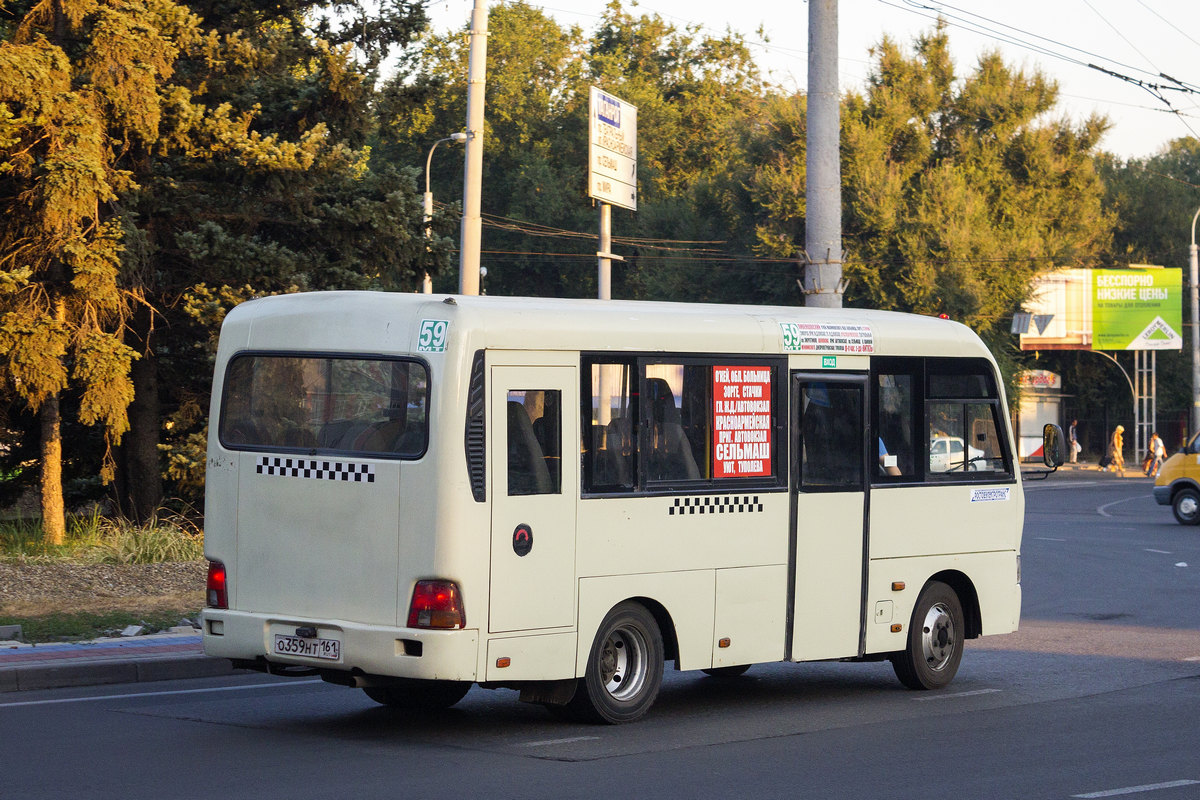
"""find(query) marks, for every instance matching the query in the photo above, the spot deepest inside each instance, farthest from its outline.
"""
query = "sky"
(1139, 39)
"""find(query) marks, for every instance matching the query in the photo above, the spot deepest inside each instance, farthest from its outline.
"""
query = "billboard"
(1137, 309)
(1104, 309)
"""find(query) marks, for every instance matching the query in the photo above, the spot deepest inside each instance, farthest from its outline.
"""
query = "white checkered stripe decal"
(317, 470)
(732, 504)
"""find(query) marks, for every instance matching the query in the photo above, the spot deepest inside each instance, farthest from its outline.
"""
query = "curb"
(157, 657)
(29, 677)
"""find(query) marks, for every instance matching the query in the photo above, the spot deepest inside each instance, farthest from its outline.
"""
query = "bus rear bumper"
(361, 649)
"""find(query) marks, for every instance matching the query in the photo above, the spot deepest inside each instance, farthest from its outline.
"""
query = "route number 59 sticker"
(433, 336)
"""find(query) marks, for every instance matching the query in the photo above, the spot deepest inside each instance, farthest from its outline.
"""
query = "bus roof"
(385, 322)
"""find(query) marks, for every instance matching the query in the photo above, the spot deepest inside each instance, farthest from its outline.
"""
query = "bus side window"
(893, 425)
(531, 470)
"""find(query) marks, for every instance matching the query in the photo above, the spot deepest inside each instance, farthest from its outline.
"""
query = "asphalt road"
(1098, 695)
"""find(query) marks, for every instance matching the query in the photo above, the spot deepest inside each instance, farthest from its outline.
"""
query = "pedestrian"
(1158, 452)
(1114, 458)
(1073, 440)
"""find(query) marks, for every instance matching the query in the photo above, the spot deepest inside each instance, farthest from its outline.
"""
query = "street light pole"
(427, 283)
(1195, 291)
(472, 221)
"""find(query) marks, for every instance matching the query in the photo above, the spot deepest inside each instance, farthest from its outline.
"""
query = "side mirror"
(1052, 446)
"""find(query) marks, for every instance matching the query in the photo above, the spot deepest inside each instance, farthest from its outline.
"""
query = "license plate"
(324, 649)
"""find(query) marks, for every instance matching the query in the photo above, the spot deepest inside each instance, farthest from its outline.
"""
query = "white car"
(946, 453)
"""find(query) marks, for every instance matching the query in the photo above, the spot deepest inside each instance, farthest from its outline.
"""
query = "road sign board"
(612, 150)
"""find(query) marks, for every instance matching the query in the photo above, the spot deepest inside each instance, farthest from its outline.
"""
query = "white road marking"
(1049, 539)
(567, 740)
(1152, 550)
(1102, 512)
(956, 694)
(1181, 564)
(1149, 787)
(155, 694)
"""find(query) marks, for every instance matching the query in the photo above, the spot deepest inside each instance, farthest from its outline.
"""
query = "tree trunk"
(54, 523)
(139, 485)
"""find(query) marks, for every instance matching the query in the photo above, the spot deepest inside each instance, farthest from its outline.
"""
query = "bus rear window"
(368, 406)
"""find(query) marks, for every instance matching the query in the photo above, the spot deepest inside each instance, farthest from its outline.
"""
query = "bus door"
(827, 556)
(534, 454)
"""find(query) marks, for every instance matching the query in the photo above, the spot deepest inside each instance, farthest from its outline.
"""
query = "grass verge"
(65, 626)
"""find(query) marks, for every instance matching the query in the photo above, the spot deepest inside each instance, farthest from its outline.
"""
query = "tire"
(416, 695)
(1186, 505)
(726, 672)
(935, 640)
(624, 668)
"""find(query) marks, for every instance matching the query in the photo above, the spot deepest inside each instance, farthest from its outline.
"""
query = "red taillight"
(436, 604)
(218, 596)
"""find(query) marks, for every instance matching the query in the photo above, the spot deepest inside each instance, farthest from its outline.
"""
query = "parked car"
(1178, 483)
(946, 453)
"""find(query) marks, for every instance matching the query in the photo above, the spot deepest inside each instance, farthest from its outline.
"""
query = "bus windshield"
(358, 405)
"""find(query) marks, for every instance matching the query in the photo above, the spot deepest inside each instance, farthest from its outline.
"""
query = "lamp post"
(1195, 296)
(427, 284)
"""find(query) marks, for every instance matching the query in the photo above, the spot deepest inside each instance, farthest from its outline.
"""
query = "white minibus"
(412, 494)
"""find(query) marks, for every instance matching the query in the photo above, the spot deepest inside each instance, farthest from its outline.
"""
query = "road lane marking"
(154, 694)
(1148, 787)
(567, 740)
(1049, 539)
(956, 694)
(1103, 513)
(1152, 550)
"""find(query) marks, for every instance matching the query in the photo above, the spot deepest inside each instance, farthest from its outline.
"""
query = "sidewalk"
(1090, 469)
(165, 656)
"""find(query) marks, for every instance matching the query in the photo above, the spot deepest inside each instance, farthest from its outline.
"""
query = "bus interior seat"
(617, 456)
(670, 456)
(527, 472)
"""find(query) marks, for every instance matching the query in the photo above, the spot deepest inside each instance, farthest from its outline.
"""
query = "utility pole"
(1195, 295)
(472, 221)
(822, 282)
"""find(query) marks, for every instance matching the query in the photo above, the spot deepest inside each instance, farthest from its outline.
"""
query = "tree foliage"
(957, 193)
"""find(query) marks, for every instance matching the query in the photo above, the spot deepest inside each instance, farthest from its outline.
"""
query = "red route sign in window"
(741, 421)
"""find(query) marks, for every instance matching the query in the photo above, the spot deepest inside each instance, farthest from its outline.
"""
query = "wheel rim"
(938, 637)
(1188, 506)
(623, 666)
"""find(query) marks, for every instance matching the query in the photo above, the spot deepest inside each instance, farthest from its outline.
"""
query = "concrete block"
(10, 631)
(133, 630)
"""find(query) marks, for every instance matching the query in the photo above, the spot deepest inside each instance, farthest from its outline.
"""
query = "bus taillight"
(436, 604)
(218, 596)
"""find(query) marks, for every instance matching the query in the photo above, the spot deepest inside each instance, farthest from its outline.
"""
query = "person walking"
(1114, 457)
(1073, 440)
(1158, 452)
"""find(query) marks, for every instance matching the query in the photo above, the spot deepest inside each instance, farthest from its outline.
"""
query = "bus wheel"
(624, 668)
(726, 672)
(1186, 506)
(935, 640)
(418, 695)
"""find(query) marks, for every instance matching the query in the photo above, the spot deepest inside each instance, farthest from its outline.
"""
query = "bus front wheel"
(624, 668)
(935, 640)
(416, 695)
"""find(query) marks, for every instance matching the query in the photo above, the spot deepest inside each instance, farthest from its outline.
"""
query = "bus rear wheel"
(624, 668)
(419, 695)
(935, 640)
